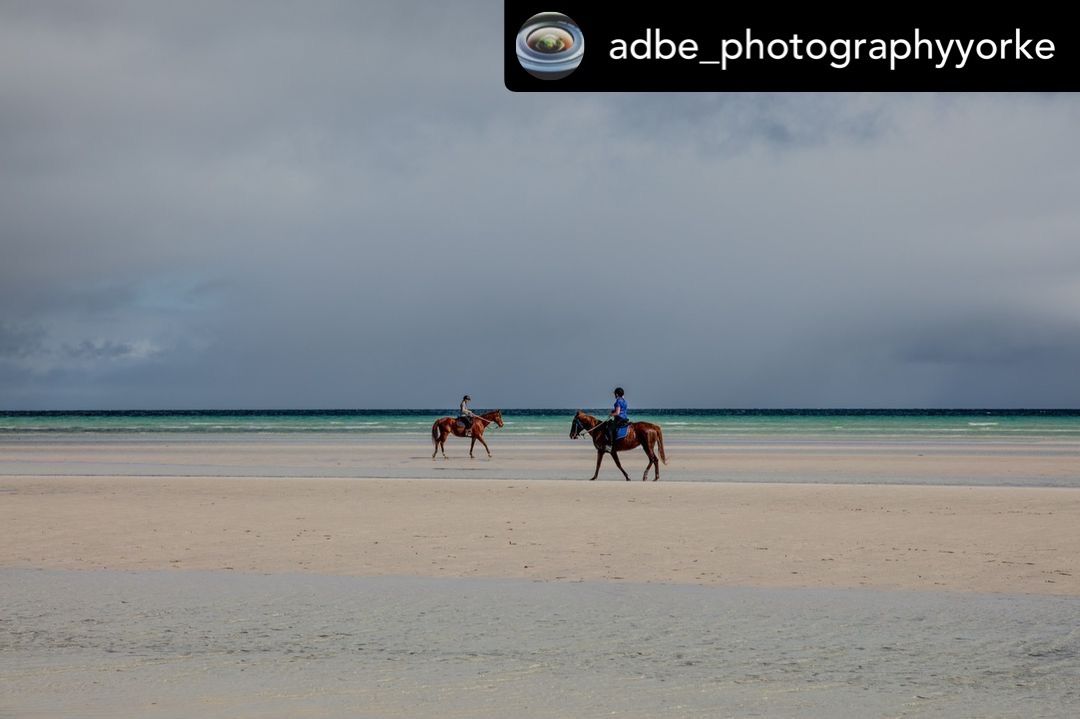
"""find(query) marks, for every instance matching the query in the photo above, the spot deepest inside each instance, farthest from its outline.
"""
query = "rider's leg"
(617, 423)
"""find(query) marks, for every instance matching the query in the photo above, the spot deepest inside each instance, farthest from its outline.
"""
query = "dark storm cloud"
(338, 205)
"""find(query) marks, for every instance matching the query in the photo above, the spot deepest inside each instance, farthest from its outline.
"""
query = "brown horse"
(446, 426)
(643, 434)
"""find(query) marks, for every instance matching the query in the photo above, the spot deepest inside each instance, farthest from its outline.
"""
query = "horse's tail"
(435, 432)
(660, 443)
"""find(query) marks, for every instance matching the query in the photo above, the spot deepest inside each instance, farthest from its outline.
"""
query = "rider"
(617, 418)
(466, 415)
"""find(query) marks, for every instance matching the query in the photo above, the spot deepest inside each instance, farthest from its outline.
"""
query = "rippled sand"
(172, 644)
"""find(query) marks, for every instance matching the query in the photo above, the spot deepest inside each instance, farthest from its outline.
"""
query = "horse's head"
(498, 417)
(581, 423)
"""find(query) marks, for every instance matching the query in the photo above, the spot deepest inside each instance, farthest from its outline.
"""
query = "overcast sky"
(208, 204)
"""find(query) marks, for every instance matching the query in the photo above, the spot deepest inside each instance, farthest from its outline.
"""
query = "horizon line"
(253, 410)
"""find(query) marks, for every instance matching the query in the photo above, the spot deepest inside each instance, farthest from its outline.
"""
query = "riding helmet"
(619, 392)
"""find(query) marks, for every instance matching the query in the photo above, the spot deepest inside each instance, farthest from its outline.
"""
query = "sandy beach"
(378, 507)
(169, 645)
(980, 539)
(283, 577)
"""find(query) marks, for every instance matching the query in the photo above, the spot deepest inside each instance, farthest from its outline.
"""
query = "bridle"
(485, 419)
(578, 427)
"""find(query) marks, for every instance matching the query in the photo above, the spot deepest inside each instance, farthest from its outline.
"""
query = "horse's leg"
(471, 445)
(442, 442)
(599, 459)
(481, 438)
(655, 461)
(649, 454)
(615, 456)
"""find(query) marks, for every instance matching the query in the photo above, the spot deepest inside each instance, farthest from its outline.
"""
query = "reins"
(583, 428)
(483, 419)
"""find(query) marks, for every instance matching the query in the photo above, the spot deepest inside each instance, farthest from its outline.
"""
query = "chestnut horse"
(643, 434)
(445, 426)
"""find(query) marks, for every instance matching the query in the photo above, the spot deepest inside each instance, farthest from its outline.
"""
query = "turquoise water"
(686, 423)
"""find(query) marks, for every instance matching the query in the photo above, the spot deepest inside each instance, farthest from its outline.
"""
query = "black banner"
(694, 46)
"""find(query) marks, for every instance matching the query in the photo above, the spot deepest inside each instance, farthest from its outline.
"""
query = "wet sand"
(968, 462)
(173, 645)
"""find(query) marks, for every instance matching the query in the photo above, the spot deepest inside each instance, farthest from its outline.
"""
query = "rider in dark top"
(617, 418)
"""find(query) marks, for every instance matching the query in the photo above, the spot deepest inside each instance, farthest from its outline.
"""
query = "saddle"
(619, 434)
(467, 429)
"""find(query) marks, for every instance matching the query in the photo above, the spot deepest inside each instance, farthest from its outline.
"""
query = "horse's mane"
(581, 414)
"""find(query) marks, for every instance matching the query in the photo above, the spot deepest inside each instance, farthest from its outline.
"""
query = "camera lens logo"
(550, 46)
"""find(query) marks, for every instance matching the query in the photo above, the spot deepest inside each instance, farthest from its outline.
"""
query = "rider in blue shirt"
(617, 418)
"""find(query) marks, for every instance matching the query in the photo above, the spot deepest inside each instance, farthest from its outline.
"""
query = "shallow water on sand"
(984, 462)
(179, 644)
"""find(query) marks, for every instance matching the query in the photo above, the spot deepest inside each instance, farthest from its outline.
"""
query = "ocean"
(682, 424)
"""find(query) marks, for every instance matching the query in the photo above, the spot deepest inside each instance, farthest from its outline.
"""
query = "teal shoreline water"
(688, 423)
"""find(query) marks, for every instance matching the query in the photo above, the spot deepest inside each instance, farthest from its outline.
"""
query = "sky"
(339, 205)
